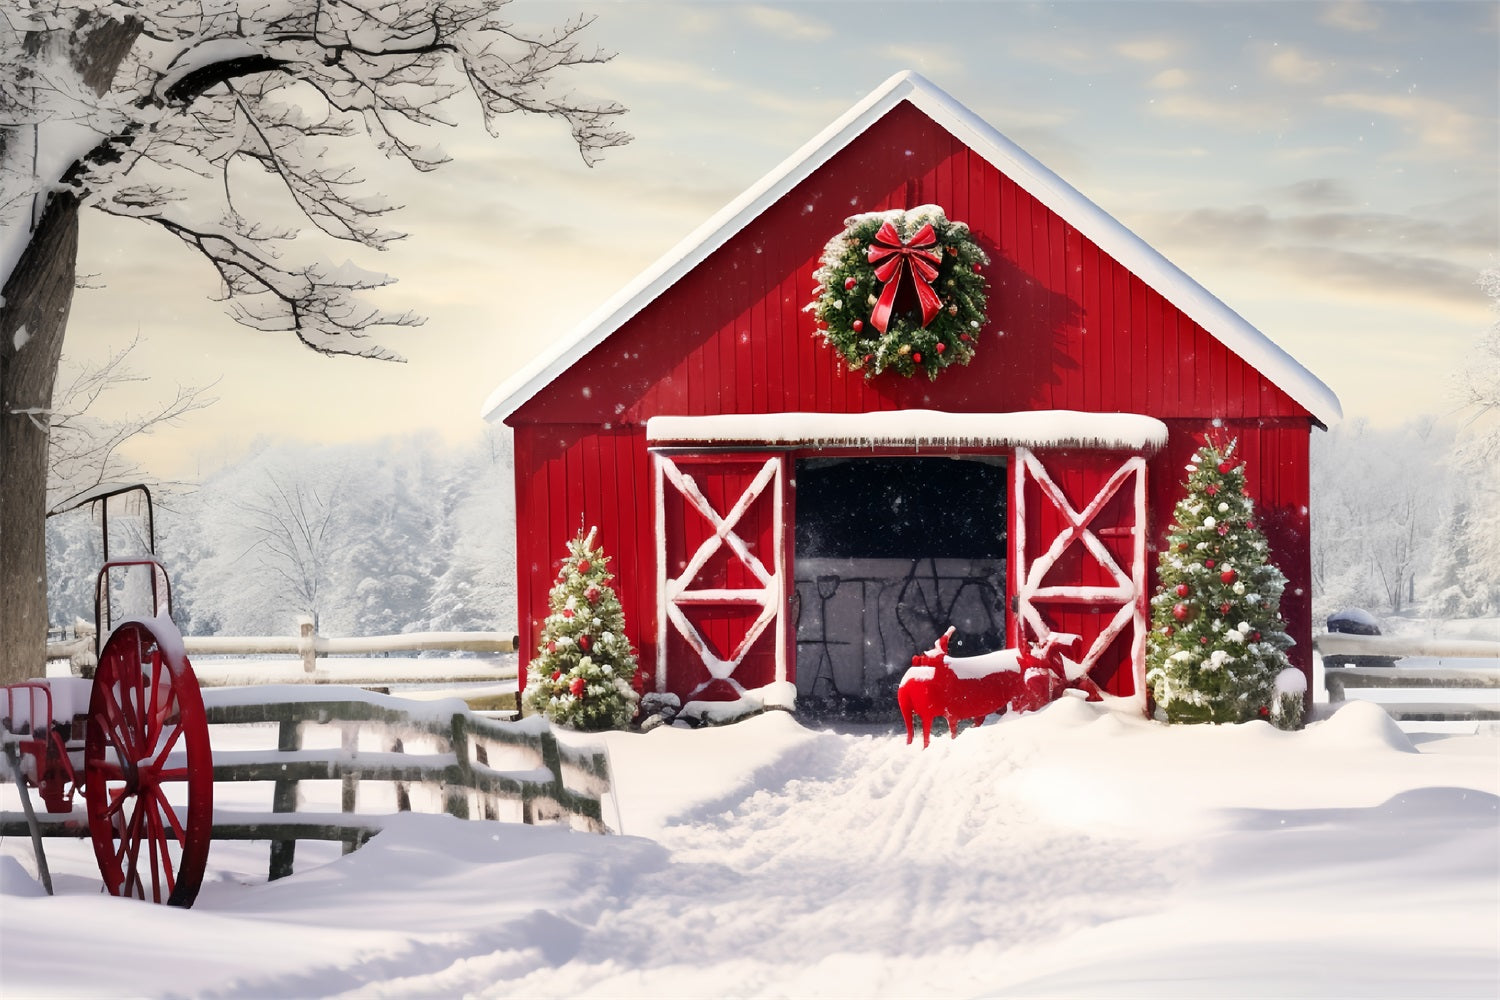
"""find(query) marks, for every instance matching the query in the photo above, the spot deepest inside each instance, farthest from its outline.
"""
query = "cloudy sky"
(1330, 170)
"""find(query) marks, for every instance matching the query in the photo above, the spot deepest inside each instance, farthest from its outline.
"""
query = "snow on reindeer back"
(985, 664)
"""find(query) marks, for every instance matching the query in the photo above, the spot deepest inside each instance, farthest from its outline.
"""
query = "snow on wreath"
(902, 291)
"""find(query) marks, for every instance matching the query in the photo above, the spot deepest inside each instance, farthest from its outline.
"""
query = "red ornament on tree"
(575, 687)
(976, 268)
(857, 325)
(916, 357)
(1223, 530)
(1225, 468)
(849, 284)
(592, 594)
(584, 643)
(1228, 576)
(1209, 563)
(965, 337)
(1182, 590)
(1180, 611)
(556, 674)
(551, 647)
(941, 347)
(1224, 608)
(1255, 637)
(1211, 489)
(567, 612)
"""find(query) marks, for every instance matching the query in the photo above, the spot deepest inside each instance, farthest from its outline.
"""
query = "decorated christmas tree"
(1217, 648)
(582, 674)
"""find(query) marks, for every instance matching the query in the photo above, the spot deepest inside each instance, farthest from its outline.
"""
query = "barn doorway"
(888, 553)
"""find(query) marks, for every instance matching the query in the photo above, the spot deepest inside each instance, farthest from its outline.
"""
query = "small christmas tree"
(1218, 644)
(581, 677)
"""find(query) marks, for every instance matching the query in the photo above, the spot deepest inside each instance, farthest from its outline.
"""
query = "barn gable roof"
(1025, 171)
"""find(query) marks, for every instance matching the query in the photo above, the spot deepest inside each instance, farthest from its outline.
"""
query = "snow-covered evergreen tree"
(581, 677)
(1217, 642)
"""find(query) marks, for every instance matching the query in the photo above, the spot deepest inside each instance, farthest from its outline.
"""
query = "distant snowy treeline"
(1404, 521)
(372, 538)
(407, 533)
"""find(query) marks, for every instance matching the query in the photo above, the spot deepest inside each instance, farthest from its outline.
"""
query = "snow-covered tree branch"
(169, 112)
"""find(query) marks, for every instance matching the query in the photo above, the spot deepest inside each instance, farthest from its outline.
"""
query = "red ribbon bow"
(890, 255)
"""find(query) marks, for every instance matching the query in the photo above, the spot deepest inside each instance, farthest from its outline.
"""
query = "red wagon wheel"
(148, 769)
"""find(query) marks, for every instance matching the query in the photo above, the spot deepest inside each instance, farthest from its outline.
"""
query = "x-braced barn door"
(1079, 552)
(720, 579)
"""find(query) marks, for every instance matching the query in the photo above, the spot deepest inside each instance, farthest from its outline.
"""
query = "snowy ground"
(1073, 852)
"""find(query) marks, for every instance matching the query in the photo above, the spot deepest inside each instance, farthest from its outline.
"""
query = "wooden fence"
(1471, 676)
(553, 783)
(309, 647)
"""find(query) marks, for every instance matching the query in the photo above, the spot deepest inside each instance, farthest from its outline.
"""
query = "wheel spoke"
(169, 813)
(130, 849)
(161, 863)
(111, 769)
(114, 716)
(158, 764)
(154, 713)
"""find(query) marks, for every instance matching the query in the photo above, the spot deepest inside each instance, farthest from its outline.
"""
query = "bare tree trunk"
(34, 307)
(37, 299)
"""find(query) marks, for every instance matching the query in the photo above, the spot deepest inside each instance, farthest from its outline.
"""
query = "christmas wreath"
(902, 291)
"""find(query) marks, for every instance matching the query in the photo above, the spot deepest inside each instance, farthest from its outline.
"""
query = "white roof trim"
(916, 428)
(1041, 183)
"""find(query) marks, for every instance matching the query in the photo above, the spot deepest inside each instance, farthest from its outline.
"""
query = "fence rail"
(1468, 682)
(308, 646)
(553, 783)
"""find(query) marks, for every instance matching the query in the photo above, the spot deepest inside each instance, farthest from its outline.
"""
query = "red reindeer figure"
(971, 687)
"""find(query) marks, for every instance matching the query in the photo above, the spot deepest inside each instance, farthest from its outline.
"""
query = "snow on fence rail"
(472, 764)
(1429, 688)
(309, 646)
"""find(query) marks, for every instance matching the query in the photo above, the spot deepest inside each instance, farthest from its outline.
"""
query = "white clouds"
(665, 72)
(783, 23)
(1352, 15)
(1291, 66)
(1442, 129)
(929, 59)
(1149, 50)
(1170, 79)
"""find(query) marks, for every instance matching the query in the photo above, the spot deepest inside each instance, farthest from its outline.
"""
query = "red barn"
(785, 529)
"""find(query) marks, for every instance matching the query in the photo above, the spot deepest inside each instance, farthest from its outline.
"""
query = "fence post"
(349, 741)
(456, 800)
(284, 798)
(307, 646)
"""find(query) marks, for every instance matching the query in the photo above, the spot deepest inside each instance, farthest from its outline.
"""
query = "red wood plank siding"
(1069, 327)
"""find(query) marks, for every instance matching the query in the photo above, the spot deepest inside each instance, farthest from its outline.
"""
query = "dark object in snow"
(658, 710)
(1355, 621)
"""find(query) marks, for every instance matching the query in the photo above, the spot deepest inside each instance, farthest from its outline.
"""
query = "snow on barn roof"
(1089, 219)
